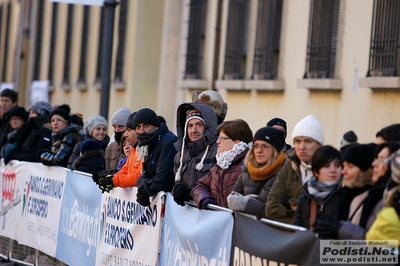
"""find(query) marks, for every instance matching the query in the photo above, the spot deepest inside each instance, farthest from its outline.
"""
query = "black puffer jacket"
(158, 166)
(63, 144)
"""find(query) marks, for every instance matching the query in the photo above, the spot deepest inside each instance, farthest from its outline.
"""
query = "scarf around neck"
(267, 171)
(321, 190)
(224, 159)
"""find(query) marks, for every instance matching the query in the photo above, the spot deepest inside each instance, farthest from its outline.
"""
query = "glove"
(8, 158)
(106, 184)
(208, 201)
(142, 197)
(326, 229)
(237, 202)
(181, 193)
(47, 158)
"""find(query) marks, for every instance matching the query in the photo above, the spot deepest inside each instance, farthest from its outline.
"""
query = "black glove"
(106, 183)
(208, 201)
(47, 158)
(181, 193)
(142, 197)
(326, 229)
(8, 158)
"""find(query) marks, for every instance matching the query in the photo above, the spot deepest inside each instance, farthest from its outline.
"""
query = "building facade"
(335, 59)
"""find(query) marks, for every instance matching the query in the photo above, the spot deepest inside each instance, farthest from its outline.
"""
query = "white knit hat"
(310, 127)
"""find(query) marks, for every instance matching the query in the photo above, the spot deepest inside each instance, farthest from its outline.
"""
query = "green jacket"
(287, 188)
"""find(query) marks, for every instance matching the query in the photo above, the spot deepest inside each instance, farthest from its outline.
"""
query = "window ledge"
(250, 84)
(193, 83)
(380, 83)
(65, 86)
(321, 84)
(82, 86)
(118, 85)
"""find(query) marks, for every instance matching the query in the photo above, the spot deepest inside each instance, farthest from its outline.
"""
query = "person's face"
(145, 128)
(32, 113)
(379, 167)
(16, 122)
(224, 142)
(118, 128)
(263, 151)
(350, 172)
(195, 129)
(330, 172)
(380, 140)
(130, 135)
(7, 104)
(99, 132)
(305, 148)
(127, 148)
(57, 123)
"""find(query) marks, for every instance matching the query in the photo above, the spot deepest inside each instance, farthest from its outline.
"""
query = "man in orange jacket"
(132, 169)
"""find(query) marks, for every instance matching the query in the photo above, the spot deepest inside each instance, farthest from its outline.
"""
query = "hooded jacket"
(195, 154)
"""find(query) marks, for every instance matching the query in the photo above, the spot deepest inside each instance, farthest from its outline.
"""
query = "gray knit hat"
(120, 116)
(42, 108)
(93, 122)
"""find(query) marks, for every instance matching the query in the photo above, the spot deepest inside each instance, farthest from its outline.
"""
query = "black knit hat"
(20, 112)
(273, 136)
(90, 145)
(147, 116)
(361, 155)
(279, 122)
(61, 112)
(129, 121)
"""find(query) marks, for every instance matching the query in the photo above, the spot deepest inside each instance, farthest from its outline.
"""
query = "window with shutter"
(53, 38)
(322, 39)
(39, 40)
(123, 17)
(68, 41)
(84, 43)
(385, 42)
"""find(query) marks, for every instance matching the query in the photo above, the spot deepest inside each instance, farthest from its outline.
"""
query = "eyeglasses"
(223, 138)
(381, 160)
(262, 146)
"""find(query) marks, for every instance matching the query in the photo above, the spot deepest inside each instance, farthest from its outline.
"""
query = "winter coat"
(386, 226)
(13, 142)
(194, 151)
(246, 185)
(218, 183)
(287, 187)
(328, 209)
(113, 155)
(39, 139)
(158, 165)
(130, 172)
(90, 162)
(77, 149)
(63, 144)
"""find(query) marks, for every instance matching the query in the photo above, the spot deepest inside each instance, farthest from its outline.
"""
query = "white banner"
(42, 207)
(40, 91)
(13, 197)
(81, 2)
(130, 233)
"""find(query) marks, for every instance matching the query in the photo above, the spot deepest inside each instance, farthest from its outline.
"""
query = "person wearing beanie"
(14, 139)
(156, 151)
(113, 152)
(279, 123)
(213, 99)
(128, 175)
(307, 137)
(389, 133)
(37, 134)
(234, 141)
(64, 137)
(91, 159)
(95, 128)
(262, 165)
(321, 191)
(196, 127)
(348, 140)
